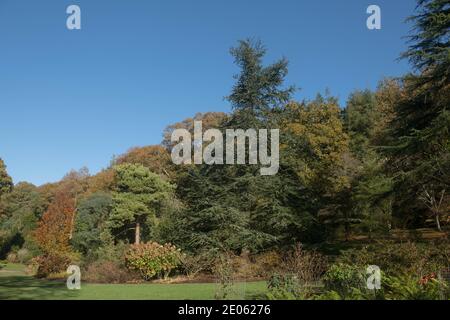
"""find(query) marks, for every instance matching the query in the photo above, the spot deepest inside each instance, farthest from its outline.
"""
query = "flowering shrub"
(152, 259)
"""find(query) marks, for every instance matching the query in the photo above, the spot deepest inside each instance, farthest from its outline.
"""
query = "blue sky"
(70, 99)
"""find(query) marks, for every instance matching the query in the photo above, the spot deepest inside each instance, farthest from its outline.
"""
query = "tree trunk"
(137, 238)
(72, 224)
(438, 224)
(347, 232)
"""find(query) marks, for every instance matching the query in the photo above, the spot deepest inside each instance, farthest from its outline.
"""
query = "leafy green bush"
(283, 287)
(408, 287)
(343, 279)
(344, 282)
(152, 259)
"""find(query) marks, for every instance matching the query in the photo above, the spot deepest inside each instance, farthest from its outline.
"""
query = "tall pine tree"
(421, 128)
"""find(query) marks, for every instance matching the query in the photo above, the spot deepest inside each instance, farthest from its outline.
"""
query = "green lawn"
(14, 284)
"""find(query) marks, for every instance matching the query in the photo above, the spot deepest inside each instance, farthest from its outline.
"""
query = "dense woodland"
(368, 171)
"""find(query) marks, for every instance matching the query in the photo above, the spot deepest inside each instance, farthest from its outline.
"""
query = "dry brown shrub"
(307, 265)
(108, 272)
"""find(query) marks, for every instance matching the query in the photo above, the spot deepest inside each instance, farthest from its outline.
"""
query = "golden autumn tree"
(154, 157)
(317, 143)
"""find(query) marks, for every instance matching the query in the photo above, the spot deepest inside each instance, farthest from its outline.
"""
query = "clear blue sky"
(70, 99)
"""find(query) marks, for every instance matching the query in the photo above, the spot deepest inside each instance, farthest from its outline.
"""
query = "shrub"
(284, 287)
(267, 263)
(297, 275)
(194, 264)
(152, 259)
(24, 255)
(407, 287)
(12, 257)
(224, 272)
(343, 279)
(307, 266)
(48, 264)
(108, 272)
(401, 258)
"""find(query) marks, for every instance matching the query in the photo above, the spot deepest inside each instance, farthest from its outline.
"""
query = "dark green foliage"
(258, 89)
(344, 279)
(283, 286)
(21, 210)
(420, 149)
(137, 199)
(359, 119)
(406, 287)
(372, 197)
(429, 51)
(90, 223)
(418, 259)
(214, 219)
(234, 207)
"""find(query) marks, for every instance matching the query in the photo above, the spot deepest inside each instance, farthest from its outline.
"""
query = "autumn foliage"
(53, 235)
(53, 232)
(152, 259)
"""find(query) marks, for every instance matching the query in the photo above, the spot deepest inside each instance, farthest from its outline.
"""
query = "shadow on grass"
(29, 288)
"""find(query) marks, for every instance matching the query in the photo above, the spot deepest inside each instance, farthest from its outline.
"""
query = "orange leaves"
(53, 232)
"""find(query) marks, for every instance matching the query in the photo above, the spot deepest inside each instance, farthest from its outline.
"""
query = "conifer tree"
(420, 149)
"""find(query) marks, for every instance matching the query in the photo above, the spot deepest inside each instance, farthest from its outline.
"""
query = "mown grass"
(16, 285)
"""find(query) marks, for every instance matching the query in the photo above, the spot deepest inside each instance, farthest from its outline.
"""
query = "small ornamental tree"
(153, 259)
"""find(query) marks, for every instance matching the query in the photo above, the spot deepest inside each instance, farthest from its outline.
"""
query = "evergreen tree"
(92, 214)
(226, 204)
(138, 197)
(359, 117)
(258, 89)
(420, 149)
